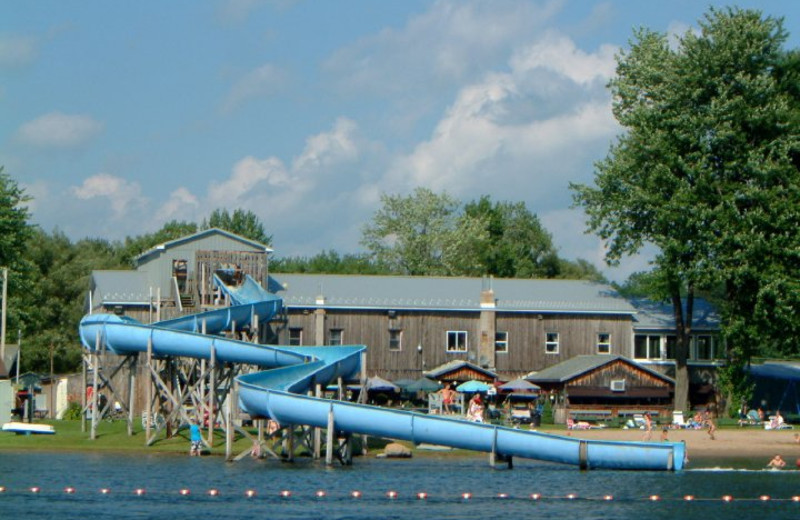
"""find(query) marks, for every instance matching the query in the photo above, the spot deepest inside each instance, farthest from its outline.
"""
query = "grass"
(111, 437)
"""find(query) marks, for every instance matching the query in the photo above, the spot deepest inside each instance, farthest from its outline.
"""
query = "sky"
(117, 117)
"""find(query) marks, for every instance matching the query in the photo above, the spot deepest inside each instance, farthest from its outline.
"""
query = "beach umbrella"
(423, 384)
(519, 385)
(473, 386)
(403, 383)
(379, 384)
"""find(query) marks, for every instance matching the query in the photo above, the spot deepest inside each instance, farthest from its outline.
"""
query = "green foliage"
(73, 412)
(707, 171)
(328, 262)
(135, 246)
(243, 223)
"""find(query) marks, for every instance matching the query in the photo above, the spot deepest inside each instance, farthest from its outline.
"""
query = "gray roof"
(201, 234)
(456, 364)
(578, 365)
(449, 293)
(120, 288)
(658, 316)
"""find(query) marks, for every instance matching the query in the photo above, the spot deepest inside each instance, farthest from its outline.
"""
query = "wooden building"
(602, 386)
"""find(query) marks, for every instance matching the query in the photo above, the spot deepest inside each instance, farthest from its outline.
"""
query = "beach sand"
(742, 447)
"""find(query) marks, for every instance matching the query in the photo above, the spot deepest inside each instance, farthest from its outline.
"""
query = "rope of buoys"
(422, 495)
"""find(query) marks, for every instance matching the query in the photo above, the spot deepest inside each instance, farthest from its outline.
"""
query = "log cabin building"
(412, 325)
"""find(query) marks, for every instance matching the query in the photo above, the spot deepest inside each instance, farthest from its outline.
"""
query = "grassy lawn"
(111, 437)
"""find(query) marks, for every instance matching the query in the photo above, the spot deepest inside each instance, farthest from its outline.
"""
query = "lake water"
(444, 479)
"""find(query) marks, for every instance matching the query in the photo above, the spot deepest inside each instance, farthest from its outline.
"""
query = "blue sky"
(120, 116)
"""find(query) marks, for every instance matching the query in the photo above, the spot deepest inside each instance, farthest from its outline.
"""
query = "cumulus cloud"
(121, 194)
(327, 148)
(17, 50)
(59, 130)
(181, 205)
(259, 82)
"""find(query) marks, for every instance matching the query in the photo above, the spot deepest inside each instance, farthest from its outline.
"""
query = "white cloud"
(17, 50)
(327, 148)
(121, 194)
(559, 54)
(58, 130)
(181, 205)
(259, 82)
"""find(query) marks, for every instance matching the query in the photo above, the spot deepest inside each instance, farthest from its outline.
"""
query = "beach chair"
(678, 421)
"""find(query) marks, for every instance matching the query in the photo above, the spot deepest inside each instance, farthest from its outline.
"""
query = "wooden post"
(231, 403)
(131, 390)
(84, 382)
(330, 437)
(212, 392)
(148, 423)
(288, 443)
(318, 431)
(95, 366)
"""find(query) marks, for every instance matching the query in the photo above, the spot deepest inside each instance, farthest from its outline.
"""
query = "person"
(475, 409)
(448, 394)
(776, 463)
(708, 421)
(196, 438)
(797, 438)
(648, 427)
(664, 434)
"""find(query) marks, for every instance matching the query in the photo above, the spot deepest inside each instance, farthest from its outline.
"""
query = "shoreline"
(746, 448)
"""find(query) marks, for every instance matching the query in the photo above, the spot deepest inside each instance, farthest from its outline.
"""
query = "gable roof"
(457, 364)
(449, 293)
(200, 234)
(579, 365)
(658, 316)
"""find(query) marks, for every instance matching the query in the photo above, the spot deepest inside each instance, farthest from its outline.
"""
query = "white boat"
(28, 428)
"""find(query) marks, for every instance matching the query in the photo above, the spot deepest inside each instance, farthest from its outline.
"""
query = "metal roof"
(120, 288)
(774, 370)
(578, 365)
(449, 293)
(200, 234)
(454, 365)
(658, 316)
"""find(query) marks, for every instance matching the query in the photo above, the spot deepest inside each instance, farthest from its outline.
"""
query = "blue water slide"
(279, 392)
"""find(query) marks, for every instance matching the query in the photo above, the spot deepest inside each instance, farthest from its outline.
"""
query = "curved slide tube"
(279, 392)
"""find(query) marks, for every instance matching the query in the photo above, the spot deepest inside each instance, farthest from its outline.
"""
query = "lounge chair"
(583, 425)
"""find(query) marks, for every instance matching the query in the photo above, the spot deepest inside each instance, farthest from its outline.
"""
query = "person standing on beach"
(648, 426)
(708, 419)
(196, 438)
(447, 398)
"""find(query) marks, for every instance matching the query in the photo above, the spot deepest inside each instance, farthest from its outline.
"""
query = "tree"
(425, 234)
(243, 223)
(135, 246)
(704, 172)
(517, 245)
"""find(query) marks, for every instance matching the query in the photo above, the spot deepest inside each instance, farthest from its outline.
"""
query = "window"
(456, 341)
(551, 343)
(604, 343)
(617, 385)
(395, 339)
(647, 347)
(704, 348)
(501, 342)
(295, 336)
(672, 345)
(335, 337)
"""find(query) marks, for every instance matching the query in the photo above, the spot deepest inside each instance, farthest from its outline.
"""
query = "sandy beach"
(745, 446)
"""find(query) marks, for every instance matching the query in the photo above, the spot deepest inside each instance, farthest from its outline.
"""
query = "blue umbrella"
(423, 384)
(473, 386)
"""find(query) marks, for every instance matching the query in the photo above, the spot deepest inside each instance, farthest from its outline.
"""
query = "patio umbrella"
(423, 384)
(403, 383)
(519, 385)
(473, 386)
(379, 384)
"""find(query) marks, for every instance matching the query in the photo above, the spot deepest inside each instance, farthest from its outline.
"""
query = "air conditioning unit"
(618, 385)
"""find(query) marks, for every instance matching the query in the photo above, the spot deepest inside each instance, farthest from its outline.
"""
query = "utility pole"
(3, 324)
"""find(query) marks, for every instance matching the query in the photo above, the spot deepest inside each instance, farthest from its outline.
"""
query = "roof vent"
(618, 385)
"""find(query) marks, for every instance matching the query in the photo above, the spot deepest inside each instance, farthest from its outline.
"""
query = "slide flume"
(290, 372)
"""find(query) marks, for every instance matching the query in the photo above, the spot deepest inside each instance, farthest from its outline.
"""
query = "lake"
(445, 480)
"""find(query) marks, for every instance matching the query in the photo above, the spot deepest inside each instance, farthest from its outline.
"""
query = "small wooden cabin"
(602, 387)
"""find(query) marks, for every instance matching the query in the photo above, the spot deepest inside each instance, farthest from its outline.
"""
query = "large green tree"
(704, 171)
(425, 233)
(241, 222)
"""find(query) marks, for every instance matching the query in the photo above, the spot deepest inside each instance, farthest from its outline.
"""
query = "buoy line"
(395, 495)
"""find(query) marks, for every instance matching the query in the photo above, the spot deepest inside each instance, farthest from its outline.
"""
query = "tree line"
(49, 273)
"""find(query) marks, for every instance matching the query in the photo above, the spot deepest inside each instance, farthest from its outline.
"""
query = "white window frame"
(696, 343)
(398, 342)
(501, 342)
(649, 346)
(603, 346)
(338, 334)
(298, 339)
(457, 335)
(551, 346)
